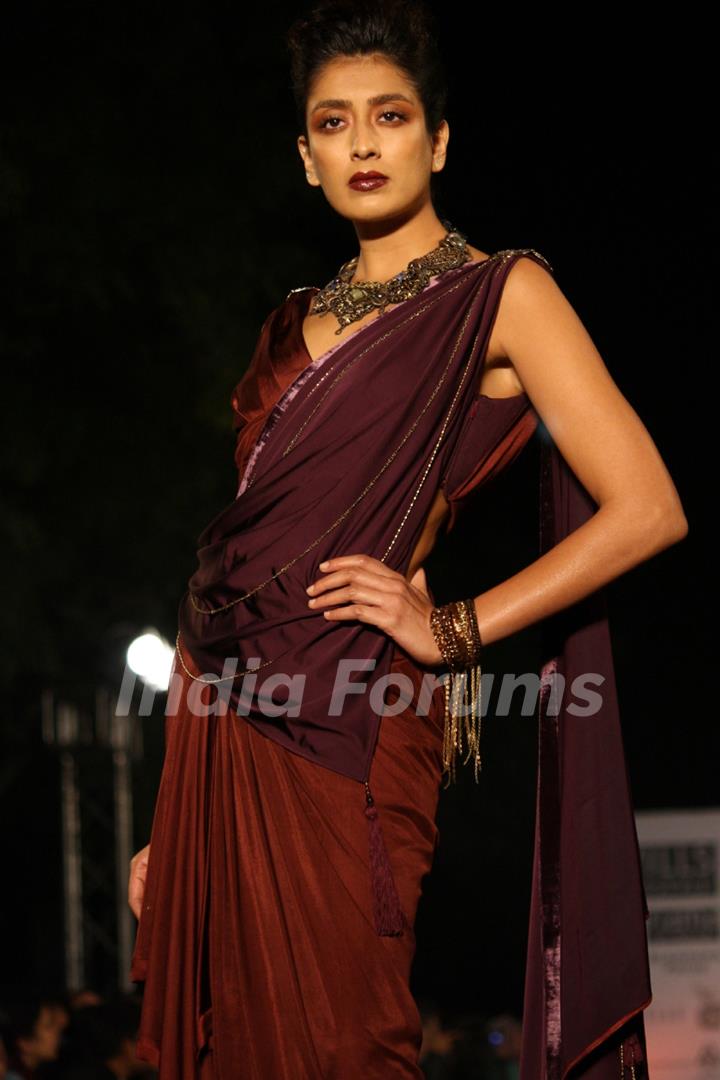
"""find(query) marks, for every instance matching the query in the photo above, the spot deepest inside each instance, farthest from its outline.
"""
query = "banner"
(680, 852)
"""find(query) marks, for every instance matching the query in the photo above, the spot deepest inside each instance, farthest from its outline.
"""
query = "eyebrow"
(341, 103)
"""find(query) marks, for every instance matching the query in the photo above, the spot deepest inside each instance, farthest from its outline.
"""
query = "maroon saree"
(264, 872)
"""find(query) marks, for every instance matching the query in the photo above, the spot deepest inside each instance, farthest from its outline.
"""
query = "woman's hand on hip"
(366, 589)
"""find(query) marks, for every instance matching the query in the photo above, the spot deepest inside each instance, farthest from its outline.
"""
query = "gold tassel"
(463, 711)
(456, 631)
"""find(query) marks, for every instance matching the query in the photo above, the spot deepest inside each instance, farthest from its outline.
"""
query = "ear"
(304, 150)
(439, 146)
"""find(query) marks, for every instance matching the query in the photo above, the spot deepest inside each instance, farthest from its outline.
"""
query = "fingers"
(367, 613)
(382, 609)
(142, 854)
(361, 579)
(136, 892)
(136, 881)
(134, 900)
(354, 565)
(359, 593)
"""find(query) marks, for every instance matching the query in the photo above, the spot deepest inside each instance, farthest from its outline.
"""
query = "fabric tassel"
(389, 917)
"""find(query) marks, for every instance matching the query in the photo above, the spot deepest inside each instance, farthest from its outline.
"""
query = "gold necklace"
(350, 300)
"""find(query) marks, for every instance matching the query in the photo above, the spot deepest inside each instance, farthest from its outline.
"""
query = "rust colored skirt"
(256, 942)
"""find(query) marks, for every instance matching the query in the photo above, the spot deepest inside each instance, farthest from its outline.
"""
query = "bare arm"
(603, 441)
(605, 444)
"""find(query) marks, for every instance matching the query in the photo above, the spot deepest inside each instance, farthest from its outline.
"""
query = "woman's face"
(364, 115)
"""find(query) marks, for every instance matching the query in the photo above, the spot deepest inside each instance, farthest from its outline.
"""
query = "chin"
(377, 210)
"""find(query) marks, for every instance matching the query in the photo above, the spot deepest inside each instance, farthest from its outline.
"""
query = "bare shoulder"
(593, 425)
(526, 278)
(529, 271)
(529, 289)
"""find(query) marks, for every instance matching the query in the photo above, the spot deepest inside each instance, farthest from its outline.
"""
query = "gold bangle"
(455, 629)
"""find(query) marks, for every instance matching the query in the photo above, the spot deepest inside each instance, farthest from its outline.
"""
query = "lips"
(371, 174)
(367, 181)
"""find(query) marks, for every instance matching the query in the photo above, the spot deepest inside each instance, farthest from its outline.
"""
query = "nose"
(363, 151)
(365, 142)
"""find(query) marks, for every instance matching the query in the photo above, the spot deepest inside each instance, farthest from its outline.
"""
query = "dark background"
(153, 210)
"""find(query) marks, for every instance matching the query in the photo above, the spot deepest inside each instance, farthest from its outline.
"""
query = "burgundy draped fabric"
(256, 943)
(587, 978)
(338, 455)
(350, 461)
(355, 450)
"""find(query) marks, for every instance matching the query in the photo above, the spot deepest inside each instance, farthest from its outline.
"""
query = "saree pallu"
(239, 818)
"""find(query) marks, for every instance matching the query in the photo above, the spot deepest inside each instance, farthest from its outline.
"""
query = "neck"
(386, 249)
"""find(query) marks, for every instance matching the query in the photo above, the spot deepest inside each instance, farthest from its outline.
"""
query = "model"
(295, 818)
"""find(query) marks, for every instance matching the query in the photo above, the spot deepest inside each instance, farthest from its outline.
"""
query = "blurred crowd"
(70, 1036)
(82, 1035)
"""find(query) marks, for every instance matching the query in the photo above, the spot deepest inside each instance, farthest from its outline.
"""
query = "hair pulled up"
(401, 30)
